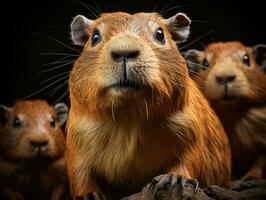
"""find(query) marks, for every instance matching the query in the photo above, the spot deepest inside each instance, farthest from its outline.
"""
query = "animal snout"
(225, 79)
(119, 56)
(39, 144)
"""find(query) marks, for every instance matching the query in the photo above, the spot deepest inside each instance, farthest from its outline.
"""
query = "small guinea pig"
(232, 77)
(32, 146)
(135, 112)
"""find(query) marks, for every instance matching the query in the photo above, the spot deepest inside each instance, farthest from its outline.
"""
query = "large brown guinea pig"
(135, 113)
(232, 78)
(32, 145)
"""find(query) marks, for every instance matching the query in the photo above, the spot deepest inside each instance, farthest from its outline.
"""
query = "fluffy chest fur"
(247, 133)
(251, 128)
(120, 151)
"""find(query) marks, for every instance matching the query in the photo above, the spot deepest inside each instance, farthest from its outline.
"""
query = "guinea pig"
(135, 112)
(32, 146)
(232, 77)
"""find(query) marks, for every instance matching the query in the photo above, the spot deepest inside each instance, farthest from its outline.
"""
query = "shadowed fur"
(32, 145)
(241, 105)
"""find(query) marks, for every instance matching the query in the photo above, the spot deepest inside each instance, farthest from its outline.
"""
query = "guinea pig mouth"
(40, 152)
(40, 161)
(227, 97)
(128, 84)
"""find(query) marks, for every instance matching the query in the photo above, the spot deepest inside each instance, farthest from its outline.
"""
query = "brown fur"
(117, 141)
(23, 174)
(244, 116)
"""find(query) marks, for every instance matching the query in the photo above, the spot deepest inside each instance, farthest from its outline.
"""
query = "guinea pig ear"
(79, 27)
(178, 25)
(191, 57)
(4, 112)
(259, 52)
(61, 111)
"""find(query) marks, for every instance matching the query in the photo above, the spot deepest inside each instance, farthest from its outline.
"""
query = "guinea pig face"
(31, 130)
(228, 71)
(128, 57)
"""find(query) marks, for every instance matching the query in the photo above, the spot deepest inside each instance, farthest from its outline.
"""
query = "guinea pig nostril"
(231, 78)
(132, 54)
(124, 55)
(225, 79)
(116, 56)
(220, 79)
(39, 143)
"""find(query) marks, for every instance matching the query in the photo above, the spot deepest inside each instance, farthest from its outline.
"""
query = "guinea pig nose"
(225, 79)
(39, 143)
(124, 55)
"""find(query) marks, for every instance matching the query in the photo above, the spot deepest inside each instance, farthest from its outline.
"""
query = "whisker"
(60, 61)
(90, 9)
(188, 61)
(59, 42)
(202, 45)
(45, 81)
(184, 53)
(57, 67)
(59, 99)
(61, 25)
(193, 73)
(200, 37)
(175, 7)
(58, 54)
(57, 88)
(37, 92)
(158, 3)
(155, 7)
(165, 7)
(97, 7)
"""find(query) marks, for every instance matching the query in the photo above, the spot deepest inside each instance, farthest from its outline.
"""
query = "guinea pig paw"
(159, 183)
(184, 182)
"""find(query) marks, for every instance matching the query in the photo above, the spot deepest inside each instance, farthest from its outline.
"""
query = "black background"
(26, 28)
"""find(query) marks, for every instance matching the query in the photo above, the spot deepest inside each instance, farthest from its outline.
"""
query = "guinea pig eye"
(205, 63)
(52, 122)
(246, 60)
(16, 122)
(96, 37)
(159, 35)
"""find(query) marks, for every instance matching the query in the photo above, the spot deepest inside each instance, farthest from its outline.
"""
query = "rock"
(187, 193)
(239, 190)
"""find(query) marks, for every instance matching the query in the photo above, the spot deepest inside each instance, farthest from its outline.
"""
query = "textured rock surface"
(245, 190)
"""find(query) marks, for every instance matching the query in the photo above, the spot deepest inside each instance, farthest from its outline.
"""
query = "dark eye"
(246, 60)
(16, 122)
(159, 35)
(52, 122)
(205, 63)
(96, 37)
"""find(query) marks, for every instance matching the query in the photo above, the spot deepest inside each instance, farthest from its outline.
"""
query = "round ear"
(61, 111)
(178, 25)
(192, 59)
(4, 113)
(79, 29)
(259, 52)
